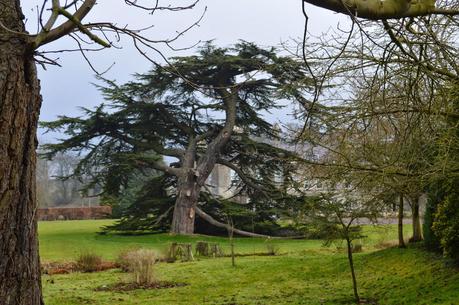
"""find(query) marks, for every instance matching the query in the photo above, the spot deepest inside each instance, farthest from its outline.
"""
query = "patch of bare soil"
(120, 287)
(52, 268)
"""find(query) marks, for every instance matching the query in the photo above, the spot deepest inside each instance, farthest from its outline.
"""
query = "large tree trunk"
(185, 204)
(401, 240)
(417, 232)
(195, 174)
(19, 108)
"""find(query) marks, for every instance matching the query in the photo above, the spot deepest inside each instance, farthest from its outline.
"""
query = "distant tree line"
(57, 188)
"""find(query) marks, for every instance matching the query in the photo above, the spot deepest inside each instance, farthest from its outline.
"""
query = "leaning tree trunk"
(417, 233)
(20, 100)
(351, 265)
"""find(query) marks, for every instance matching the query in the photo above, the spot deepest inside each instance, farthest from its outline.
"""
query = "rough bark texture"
(184, 210)
(195, 171)
(401, 240)
(187, 193)
(19, 108)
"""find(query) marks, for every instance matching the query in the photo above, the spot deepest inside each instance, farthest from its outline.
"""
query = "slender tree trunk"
(231, 240)
(185, 204)
(351, 265)
(417, 231)
(20, 101)
(233, 257)
(401, 240)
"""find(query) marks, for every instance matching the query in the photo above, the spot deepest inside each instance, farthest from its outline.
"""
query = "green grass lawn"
(303, 273)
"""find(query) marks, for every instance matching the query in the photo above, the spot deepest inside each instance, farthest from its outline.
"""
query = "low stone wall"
(99, 212)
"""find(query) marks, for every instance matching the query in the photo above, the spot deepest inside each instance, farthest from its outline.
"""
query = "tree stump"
(202, 248)
(182, 251)
(216, 251)
(206, 249)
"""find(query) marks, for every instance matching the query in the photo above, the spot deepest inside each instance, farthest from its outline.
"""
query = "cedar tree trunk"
(185, 204)
(187, 193)
(20, 101)
(195, 173)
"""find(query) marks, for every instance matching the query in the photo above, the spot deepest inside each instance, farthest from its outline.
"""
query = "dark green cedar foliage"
(182, 111)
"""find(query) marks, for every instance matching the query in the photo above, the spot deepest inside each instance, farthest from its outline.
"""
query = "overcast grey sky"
(266, 22)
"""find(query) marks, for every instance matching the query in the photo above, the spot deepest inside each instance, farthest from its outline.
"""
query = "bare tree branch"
(219, 224)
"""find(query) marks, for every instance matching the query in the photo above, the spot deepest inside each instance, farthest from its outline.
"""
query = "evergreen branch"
(207, 161)
(148, 161)
(171, 118)
(247, 180)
